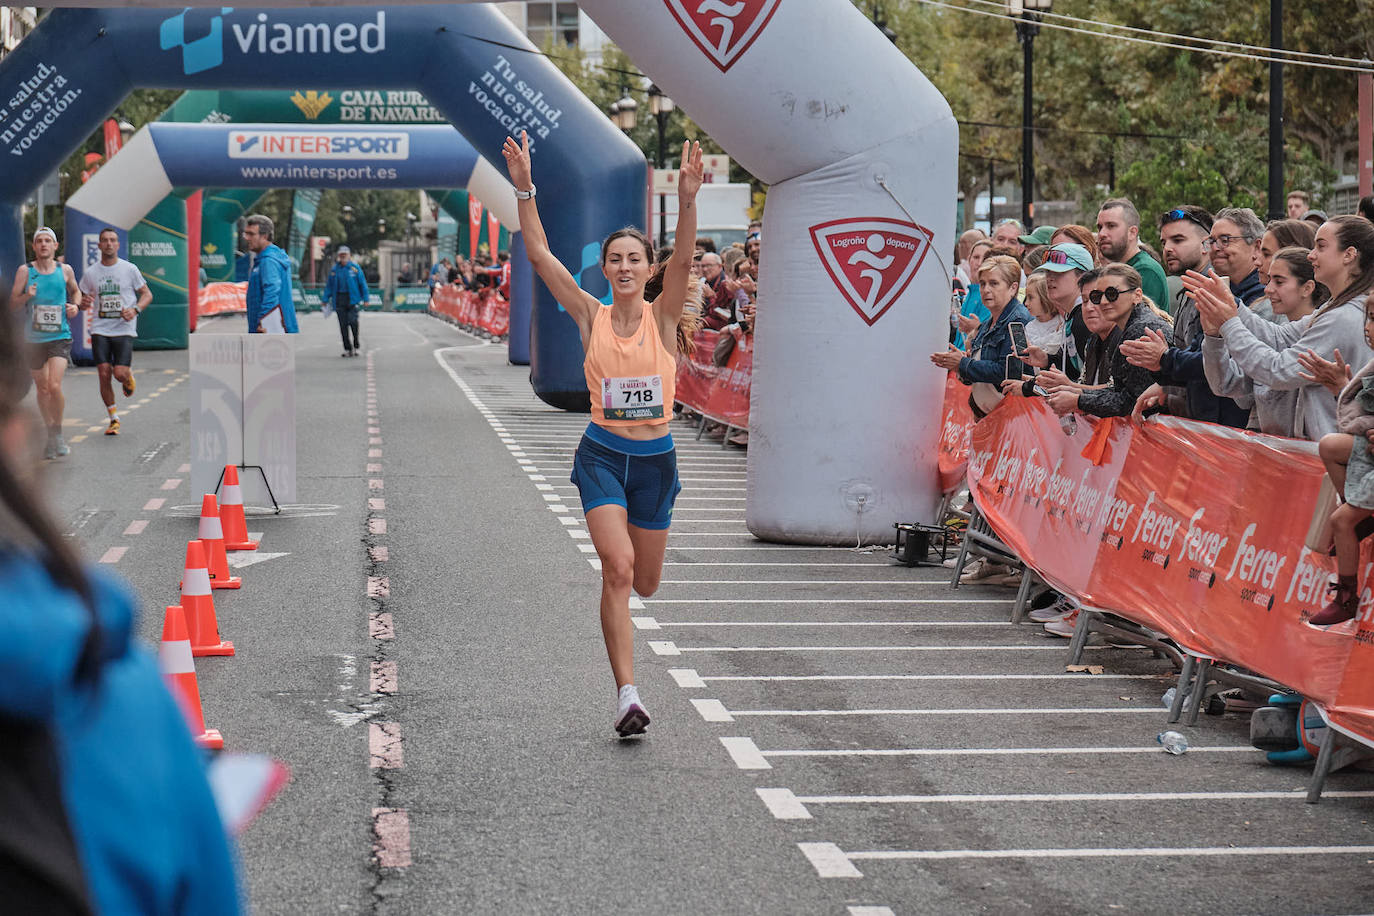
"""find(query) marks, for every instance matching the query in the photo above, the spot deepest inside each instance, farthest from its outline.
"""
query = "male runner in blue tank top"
(47, 293)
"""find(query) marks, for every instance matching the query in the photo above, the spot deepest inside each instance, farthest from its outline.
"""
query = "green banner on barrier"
(157, 246)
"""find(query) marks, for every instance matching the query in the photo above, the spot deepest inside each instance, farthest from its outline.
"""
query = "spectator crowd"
(1253, 325)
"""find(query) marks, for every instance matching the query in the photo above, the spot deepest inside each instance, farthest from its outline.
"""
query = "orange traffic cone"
(178, 669)
(199, 606)
(212, 536)
(231, 513)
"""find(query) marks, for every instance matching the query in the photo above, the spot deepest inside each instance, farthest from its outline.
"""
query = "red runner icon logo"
(871, 260)
(723, 29)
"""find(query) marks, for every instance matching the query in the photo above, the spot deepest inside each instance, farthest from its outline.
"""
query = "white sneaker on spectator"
(985, 569)
(1064, 626)
(1057, 611)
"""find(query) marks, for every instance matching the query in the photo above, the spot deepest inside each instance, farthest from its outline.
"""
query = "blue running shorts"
(640, 475)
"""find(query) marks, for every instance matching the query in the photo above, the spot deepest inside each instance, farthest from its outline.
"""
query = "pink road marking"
(171, 483)
(376, 526)
(184, 469)
(136, 526)
(378, 587)
(374, 430)
(379, 626)
(153, 505)
(374, 483)
(371, 453)
(384, 744)
(383, 677)
(376, 504)
(379, 554)
(114, 555)
(374, 469)
(374, 440)
(392, 827)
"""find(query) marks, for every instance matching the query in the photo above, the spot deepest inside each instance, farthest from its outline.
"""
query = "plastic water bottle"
(1173, 743)
(1168, 698)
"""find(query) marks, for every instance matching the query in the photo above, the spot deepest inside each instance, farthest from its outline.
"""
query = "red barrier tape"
(485, 310)
(956, 428)
(222, 298)
(1190, 528)
(718, 392)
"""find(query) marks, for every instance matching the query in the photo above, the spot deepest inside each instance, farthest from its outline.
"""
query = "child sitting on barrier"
(1350, 465)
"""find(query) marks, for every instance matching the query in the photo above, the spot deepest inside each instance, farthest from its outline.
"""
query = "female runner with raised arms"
(625, 468)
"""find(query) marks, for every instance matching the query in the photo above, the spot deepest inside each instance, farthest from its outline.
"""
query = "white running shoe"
(1057, 611)
(1064, 626)
(630, 719)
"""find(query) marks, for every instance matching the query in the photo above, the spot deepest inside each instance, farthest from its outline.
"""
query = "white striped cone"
(212, 536)
(200, 606)
(178, 668)
(231, 512)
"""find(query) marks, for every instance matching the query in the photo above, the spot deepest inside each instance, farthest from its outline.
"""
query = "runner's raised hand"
(518, 161)
(692, 173)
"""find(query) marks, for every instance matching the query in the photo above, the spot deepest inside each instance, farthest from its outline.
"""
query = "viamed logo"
(199, 54)
(312, 103)
(264, 36)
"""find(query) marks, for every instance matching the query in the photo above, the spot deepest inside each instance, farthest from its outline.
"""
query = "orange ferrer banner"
(1194, 529)
(485, 310)
(219, 298)
(718, 392)
(956, 427)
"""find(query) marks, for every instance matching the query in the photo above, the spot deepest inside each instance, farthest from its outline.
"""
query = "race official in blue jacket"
(346, 291)
(270, 310)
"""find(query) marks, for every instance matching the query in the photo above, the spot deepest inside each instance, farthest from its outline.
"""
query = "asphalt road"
(418, 640)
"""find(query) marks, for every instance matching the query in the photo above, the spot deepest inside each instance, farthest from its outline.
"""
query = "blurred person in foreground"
(106, 803)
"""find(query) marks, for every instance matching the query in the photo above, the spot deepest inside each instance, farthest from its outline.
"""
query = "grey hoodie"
(1267, 354)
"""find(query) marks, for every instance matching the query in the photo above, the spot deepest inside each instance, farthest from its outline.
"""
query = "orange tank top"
(631, 380)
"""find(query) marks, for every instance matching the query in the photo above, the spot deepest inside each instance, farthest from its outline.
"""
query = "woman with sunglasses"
(1286, 357)
(1118, 294)
(1293, 292)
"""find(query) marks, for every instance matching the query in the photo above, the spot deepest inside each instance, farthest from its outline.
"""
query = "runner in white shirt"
(115, 293)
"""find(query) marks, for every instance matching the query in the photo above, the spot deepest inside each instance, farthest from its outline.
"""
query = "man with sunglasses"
(1177, 364)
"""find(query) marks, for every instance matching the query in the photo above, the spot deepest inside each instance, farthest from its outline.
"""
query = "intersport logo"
(723, 29)
(203, 52)
(318, 144)
(871, 259)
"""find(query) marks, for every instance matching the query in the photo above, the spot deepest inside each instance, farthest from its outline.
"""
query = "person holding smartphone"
(983, 366)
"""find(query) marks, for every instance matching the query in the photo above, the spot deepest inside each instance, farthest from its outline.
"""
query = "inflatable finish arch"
(469, 61)
(859, 152)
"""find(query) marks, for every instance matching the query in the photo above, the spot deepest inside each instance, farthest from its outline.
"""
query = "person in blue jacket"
(270, 310)
(346, 290)
(984, 365)
(107, 807)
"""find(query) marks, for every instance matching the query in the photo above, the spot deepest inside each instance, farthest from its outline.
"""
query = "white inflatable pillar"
(860, 153)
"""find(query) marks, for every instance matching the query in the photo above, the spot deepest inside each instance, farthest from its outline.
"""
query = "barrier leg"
(1080, 636)
(1022, 594)
(1323, 767)
(701, 428)
(963, 558)
(1185, 677)
(725, 439)
(1199, 690)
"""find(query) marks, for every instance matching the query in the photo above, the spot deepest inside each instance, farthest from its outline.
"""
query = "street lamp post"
(346, 215)
(1028, 13)
(661, 106)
